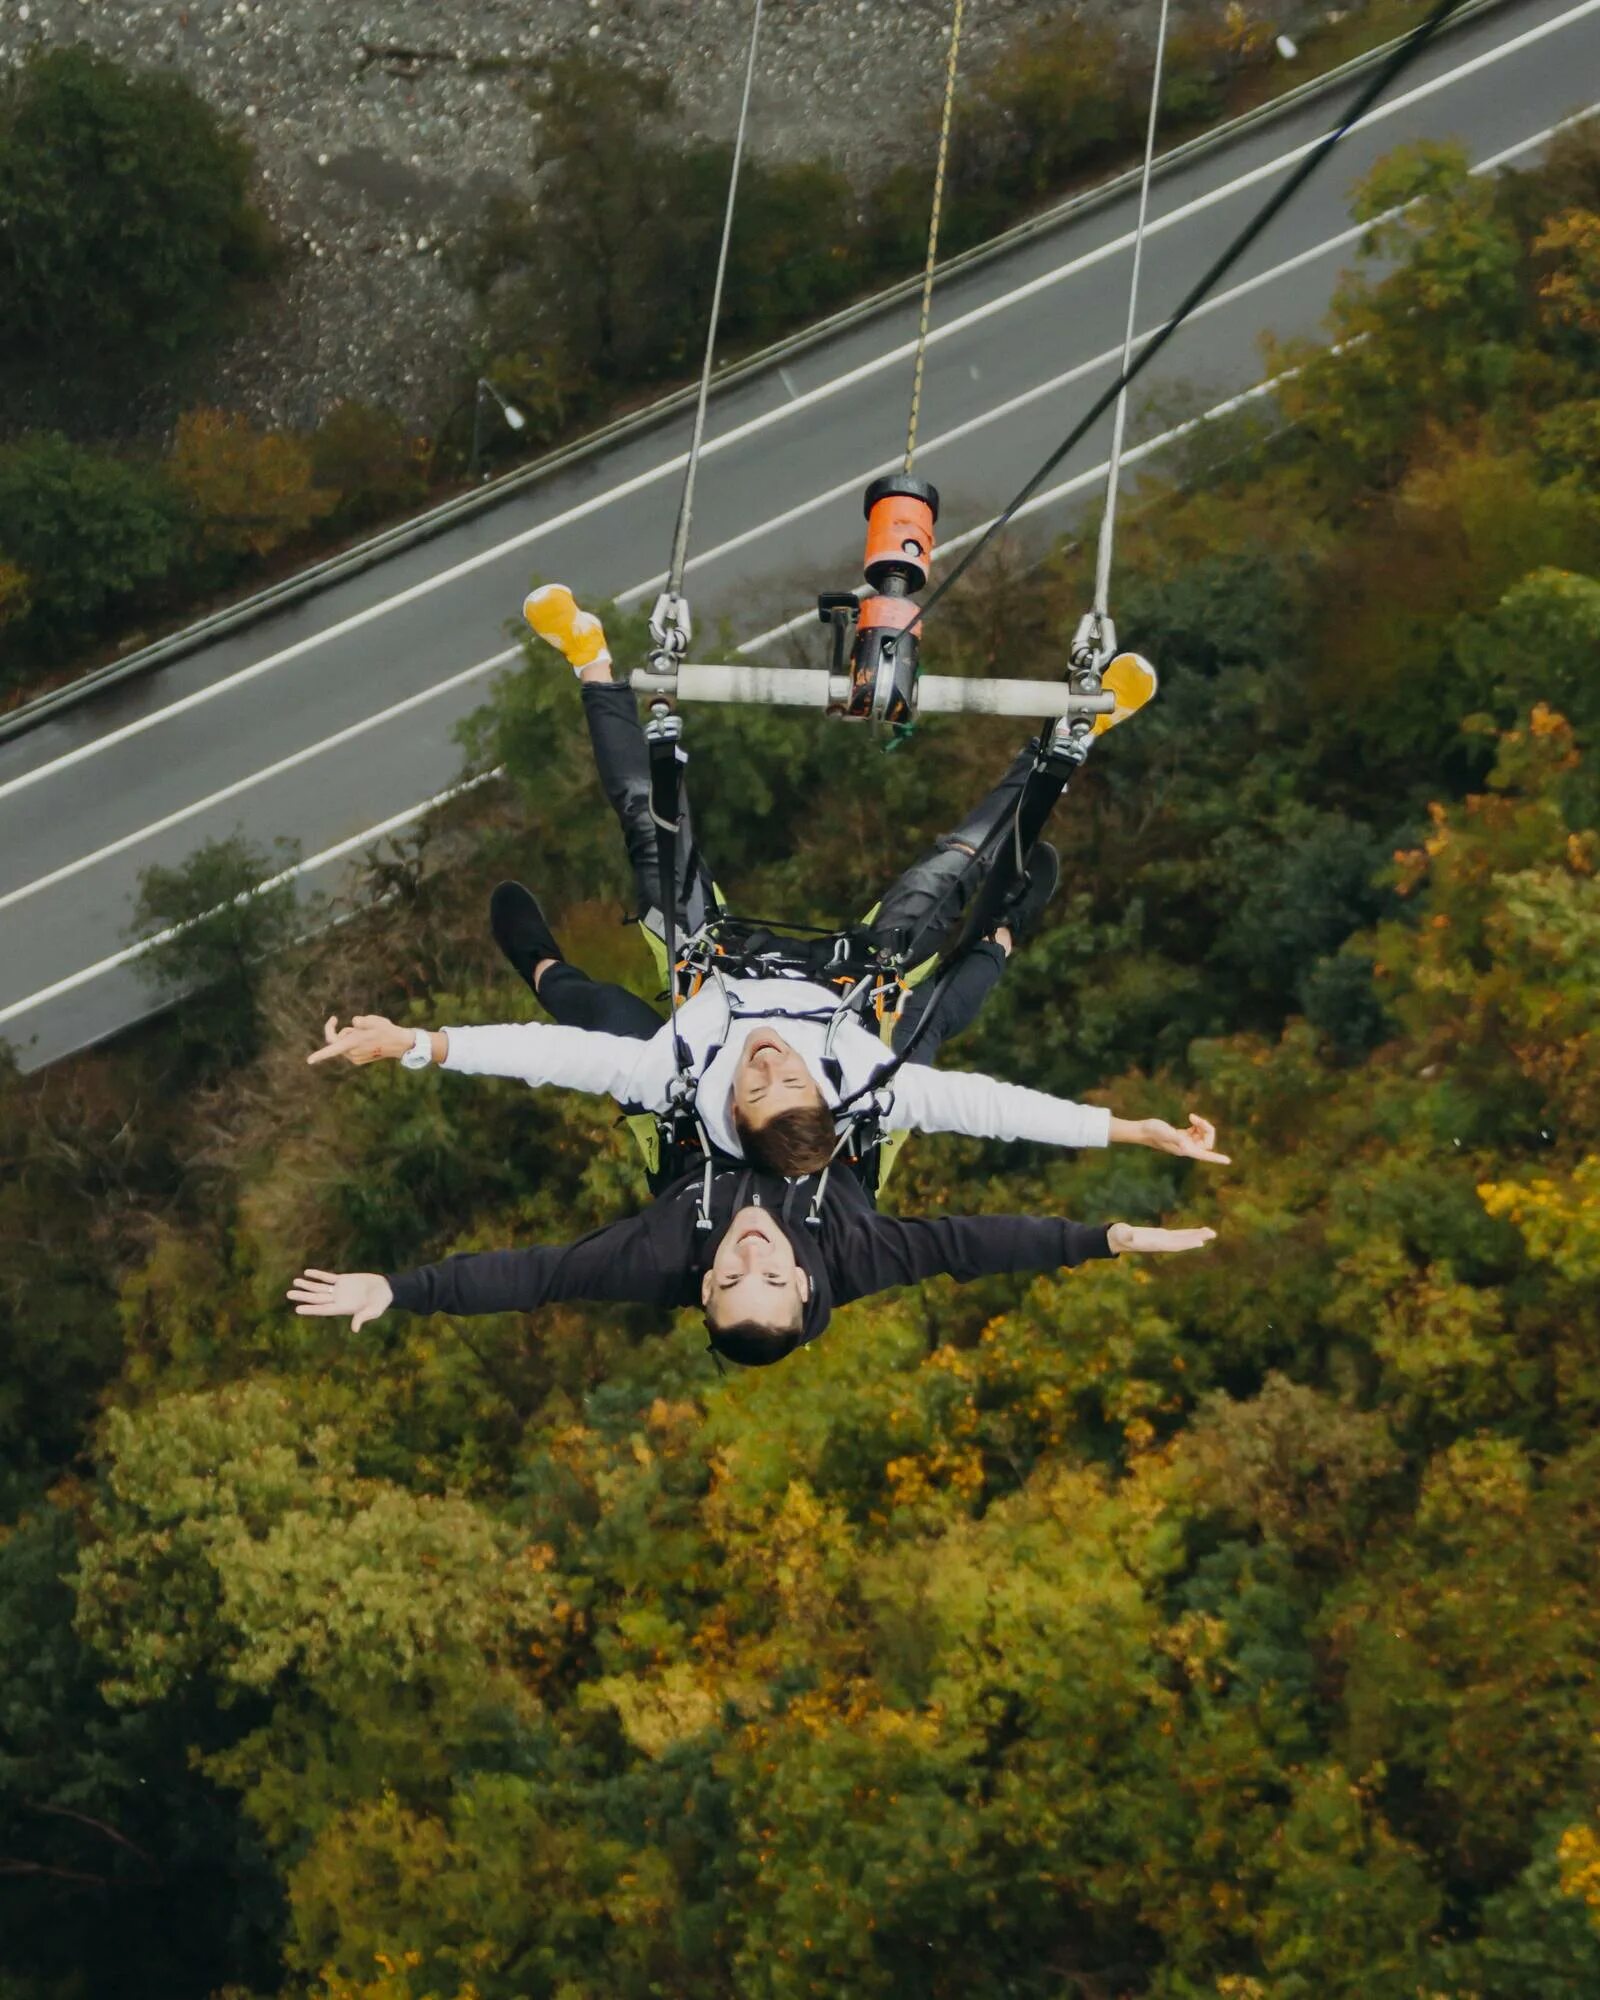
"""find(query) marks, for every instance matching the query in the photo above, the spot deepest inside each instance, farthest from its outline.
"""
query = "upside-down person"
(771, 1059)
(774, 1261)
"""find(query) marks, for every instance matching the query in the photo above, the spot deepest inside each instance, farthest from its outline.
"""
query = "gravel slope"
(381, 128)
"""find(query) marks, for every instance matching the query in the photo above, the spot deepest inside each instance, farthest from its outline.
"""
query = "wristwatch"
(420, 1053)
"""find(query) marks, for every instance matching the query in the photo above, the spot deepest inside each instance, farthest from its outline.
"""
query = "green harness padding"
(646, 1127)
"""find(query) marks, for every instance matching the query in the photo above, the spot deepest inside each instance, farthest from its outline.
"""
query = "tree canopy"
(125, 214)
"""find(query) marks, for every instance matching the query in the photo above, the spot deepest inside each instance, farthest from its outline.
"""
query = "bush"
(225, 925)
(1041, 112)
(125, 218)
(607, 284)
(365, 461)
(249, 491)
(91, 537)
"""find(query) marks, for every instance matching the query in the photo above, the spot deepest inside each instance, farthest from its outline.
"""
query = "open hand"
(369, 1038)
(1124, 1237)
(357, 1295)
(1195, 1141)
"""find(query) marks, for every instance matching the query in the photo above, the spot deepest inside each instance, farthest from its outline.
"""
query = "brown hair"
(751, 1344)
(800, 1141)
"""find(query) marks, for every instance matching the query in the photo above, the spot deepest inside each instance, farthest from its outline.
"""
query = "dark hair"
(751, 1344)
(800, 1141)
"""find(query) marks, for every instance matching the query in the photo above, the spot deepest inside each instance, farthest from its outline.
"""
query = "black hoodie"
(658, 1257)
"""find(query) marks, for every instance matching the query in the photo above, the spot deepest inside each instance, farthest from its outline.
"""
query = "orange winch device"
(881, 629)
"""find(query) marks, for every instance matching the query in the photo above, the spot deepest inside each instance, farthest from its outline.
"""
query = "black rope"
(1399, 62)
(666, 809)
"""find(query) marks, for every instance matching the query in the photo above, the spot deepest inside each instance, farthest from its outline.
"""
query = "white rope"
(680, 538)
(1108, 522)
(933, 232)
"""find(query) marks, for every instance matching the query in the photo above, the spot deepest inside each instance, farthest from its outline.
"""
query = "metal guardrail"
(465, 506)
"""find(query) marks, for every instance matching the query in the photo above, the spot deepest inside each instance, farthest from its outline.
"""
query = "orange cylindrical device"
(900, 515)
(889, 614)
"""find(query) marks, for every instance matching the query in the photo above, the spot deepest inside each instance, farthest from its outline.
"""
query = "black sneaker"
(1027, 902)
(520, 929)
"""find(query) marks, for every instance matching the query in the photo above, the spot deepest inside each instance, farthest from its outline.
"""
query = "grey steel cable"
(680, 536)
(1108, 520)
(933, 231)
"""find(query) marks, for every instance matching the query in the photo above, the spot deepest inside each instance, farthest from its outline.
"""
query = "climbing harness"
(866, 970)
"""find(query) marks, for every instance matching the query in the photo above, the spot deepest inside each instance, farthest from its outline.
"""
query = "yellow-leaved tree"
(250, 490)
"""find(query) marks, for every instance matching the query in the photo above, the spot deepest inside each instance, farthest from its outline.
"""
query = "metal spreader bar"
(807, 687)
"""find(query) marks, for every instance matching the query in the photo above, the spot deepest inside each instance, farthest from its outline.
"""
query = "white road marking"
(845, 489)
(1050, 497)
(889, 358)
(217, 798)
(635, 592)
(415, 813)
(141, 946)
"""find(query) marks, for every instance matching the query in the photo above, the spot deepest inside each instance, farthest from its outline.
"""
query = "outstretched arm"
(636, 1073)
(982, 1107)
(646, 1258)
(903, 1250)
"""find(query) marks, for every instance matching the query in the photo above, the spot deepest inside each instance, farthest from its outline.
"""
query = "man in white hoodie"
(767, 1061)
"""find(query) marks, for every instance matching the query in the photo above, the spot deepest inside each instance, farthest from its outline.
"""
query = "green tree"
(1433, 337)
(365, 458)
(125, 215)
(105, 1826)
(218, 916)
(607, 284)
(1539, 644)
(94, 536)
(16, 597)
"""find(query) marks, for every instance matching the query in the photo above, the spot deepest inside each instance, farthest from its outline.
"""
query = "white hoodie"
(715, 1025)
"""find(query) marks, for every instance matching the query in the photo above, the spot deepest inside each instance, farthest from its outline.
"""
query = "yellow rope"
(933, 231)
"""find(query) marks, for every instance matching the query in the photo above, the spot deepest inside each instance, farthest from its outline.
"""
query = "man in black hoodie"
(766, 1259)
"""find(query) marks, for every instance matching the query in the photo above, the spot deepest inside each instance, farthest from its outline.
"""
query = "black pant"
(918, 914)
(924, 905)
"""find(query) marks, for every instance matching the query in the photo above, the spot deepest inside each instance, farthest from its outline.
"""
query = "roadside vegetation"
(591, 303)
(1224, 1632)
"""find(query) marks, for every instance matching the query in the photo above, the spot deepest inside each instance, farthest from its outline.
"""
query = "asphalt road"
(334, 717)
